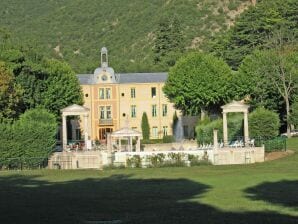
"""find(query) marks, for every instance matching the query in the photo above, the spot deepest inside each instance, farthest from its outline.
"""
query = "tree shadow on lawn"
(25, 199)
(283, 192)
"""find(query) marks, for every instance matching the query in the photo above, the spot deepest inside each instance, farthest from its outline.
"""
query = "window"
(165, 130)
(105, 93)
(133, 92)
(109, 113)
(102, 113)
(154, 110)
(108, 93)
(133, 111)
(154, 132)
(164, 110)
(105, 112)
(153, 92)
(101, 93)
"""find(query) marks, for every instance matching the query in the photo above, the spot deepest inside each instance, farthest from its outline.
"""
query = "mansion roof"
(88, 79)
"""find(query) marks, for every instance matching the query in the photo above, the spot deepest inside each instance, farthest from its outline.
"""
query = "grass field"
(257, 193)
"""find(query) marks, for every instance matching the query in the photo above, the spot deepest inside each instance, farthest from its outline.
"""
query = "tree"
(168, 44)
(10, 93)
(145, 127)
(294, 114)
(263, 123)
(47, 83)
(254, 28)
(272, 73)
(62, 87)
(197, 82)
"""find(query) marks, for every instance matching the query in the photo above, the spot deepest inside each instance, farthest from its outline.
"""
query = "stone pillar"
(86, 130)
(246, 133)
(138, 146)
(225, 129)
(130, 143)
(215, 138)
(64, 131)
(120, 146)
(109, 142)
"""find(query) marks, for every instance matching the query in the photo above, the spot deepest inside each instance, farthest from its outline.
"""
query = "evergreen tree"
(169, 43)
(145, 127)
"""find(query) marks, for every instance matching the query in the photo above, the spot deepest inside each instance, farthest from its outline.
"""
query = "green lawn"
(258, 193)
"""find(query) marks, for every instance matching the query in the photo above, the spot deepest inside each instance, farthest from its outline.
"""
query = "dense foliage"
(205, 129)
(10, 93)
(263, 123)
(270, 79)
(198, 81)
(145, 127)
(29, 140)
(75, 30)
(32, 81)
(294, 114)
(255, 29)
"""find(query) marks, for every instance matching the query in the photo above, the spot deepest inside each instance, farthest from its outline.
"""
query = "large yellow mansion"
(118, 100)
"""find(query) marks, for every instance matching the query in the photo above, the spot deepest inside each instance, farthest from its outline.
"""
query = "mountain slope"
(75, 30)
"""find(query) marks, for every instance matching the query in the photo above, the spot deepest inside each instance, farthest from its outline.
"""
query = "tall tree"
(145, 127)
(47, 83)
(254, 28)
(62, 87)
(198, 82)
(10, 93)
(168, 43)
(272, 71)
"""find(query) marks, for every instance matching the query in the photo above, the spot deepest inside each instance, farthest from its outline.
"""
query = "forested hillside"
(75, 30)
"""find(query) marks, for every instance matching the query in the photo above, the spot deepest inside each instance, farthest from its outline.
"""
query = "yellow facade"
(119, 100)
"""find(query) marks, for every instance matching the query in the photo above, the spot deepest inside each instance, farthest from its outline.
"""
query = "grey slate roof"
(87, 79)
(141, 77)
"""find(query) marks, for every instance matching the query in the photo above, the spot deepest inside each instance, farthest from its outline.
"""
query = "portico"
(235, 107)
(75, 110)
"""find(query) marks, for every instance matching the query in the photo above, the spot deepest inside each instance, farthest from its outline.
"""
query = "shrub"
(157, 160)
(134, 162)
(168, 139)
(263, 123)
(28, 141)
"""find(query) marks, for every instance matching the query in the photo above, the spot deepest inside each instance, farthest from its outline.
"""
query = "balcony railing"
(105, 122)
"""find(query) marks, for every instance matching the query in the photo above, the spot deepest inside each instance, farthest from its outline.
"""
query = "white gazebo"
(75, 110)
(125, 133)
(235, 107)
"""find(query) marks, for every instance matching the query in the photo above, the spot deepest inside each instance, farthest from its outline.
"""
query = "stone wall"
(186, 145)
(226, 156)
(76, 160)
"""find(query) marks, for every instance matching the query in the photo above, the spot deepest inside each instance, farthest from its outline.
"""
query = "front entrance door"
(102, 134)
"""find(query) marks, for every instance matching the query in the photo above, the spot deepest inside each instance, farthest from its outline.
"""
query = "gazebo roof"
(75, 108)
(126, 132)
(235, 106)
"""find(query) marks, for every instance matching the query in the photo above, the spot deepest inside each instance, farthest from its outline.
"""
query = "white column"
(246, 133)
(215, 139)
(86, 130)
(64, 131)
(225, 128)
(138, 147)
(130, 143)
